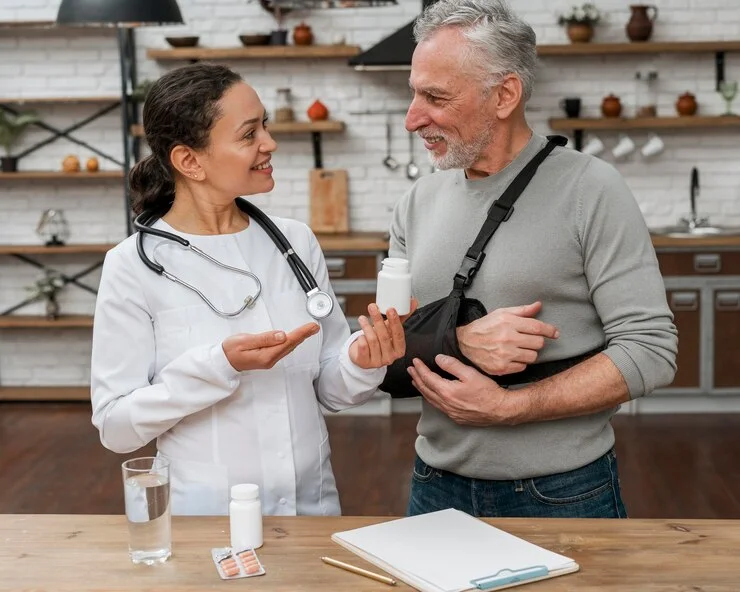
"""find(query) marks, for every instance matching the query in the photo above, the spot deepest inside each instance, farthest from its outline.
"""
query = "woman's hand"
(261, 351)
(383, 341)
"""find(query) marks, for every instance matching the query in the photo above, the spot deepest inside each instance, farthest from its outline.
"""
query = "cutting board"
(329, 197)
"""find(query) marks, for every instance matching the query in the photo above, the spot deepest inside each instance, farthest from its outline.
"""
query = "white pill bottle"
(245, 516)
(394, 286)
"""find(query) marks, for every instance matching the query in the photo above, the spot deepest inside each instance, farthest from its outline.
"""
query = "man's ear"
(185, 161)
(507, 96)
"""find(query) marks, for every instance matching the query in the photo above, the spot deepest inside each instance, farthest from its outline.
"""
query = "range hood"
(392, 53)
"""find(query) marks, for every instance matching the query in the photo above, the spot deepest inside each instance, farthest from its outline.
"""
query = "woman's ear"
(185, 162)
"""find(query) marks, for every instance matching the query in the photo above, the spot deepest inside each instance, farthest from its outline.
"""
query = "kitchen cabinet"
(726, 339)
(686, 308)
(703, 291)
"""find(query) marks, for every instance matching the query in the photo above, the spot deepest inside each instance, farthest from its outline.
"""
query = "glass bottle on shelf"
(284, 108)
(647, 94)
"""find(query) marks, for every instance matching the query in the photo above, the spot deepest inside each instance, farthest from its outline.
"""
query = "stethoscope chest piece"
(319, 304)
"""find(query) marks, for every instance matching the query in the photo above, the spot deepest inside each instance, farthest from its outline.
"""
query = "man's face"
(450, 109)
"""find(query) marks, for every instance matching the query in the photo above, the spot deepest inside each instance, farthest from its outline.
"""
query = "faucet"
(695, 221)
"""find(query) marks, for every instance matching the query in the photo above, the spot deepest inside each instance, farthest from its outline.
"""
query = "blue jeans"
(591, 491)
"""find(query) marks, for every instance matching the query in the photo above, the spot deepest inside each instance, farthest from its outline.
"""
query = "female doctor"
(231, 397)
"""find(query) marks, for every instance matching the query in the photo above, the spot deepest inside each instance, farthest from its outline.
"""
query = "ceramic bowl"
(182, 41)
(254, 39)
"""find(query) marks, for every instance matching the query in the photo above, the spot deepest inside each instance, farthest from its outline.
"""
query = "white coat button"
(283, 501)
(281, 455)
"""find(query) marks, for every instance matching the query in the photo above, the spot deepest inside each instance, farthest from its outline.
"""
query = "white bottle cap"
(245, 491)
(396, 264)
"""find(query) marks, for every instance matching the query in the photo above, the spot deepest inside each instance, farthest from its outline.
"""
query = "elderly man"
(571, 271)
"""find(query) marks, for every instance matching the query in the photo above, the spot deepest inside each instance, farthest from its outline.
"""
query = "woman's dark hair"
(180, 108)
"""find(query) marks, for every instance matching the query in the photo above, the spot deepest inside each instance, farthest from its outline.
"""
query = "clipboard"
(450, 551)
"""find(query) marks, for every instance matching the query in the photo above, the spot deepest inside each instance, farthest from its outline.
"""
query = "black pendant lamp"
(118, 12)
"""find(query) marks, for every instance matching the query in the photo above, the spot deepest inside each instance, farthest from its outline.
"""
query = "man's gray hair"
(500, 42)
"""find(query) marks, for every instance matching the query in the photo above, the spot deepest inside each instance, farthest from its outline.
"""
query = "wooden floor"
(680, 466)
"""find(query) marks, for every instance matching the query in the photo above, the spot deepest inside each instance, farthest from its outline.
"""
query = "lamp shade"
(118, 12)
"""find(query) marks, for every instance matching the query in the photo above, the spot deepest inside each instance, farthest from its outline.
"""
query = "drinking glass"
(728, 90)
(146, 488)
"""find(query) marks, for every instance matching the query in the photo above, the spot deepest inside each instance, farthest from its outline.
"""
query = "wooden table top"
(83, 552)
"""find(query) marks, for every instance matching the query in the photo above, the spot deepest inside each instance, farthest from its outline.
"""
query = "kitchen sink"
(684, 231)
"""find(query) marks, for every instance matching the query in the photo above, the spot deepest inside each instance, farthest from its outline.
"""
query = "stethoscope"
(318, 303)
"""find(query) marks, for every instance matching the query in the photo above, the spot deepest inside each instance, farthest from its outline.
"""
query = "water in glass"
(147, 499)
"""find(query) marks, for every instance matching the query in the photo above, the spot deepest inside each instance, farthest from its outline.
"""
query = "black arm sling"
(431, 329)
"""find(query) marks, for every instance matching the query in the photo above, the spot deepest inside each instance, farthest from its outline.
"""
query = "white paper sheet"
(443, 551)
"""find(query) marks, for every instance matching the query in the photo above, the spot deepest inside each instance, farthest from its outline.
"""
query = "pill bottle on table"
(245, 516)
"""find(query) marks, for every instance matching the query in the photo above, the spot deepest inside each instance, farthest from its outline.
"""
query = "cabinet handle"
(707, 263)
(342, 302)
(684, 301)
(727, 301)
(336, 267)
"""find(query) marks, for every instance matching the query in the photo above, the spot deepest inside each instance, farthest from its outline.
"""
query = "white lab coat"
(159, 371)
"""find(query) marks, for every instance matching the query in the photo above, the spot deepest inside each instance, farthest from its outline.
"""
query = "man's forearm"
(591, 386)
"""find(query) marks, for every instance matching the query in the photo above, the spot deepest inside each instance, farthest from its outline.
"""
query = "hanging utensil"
(389, 161)
(412, 171)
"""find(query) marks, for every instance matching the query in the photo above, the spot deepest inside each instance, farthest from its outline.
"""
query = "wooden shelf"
(27, 24)
(46, 26)
(40, 322)
(59, 175)
(643, 123)
(294, 127)
(258, 52)
(60, 250)
(44, 393)
(649, 47)
(56, 100)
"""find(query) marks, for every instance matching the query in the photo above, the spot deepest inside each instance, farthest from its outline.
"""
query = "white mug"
(593, 147)
(624, 147)
(653, 146)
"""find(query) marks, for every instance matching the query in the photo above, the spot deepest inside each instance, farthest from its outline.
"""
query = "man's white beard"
(460, 155)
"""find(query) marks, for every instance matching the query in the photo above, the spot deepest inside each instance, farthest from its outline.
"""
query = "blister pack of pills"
(232, 564)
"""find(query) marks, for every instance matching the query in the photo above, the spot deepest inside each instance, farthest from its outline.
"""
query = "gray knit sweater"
(576, 241)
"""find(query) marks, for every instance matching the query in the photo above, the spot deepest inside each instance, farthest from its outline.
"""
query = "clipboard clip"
(510, 576)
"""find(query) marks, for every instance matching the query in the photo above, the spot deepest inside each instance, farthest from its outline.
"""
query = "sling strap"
(500, 211)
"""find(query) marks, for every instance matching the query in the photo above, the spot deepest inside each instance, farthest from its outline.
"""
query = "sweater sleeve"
(129, 407)
(341, 384)
(397, 242)
(624, 280)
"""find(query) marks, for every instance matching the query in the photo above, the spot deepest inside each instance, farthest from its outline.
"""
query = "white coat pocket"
(198, 488)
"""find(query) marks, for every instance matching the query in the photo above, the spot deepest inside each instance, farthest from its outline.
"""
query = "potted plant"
(48, 287)
(11, 128)
(142, 88)
(579, 22)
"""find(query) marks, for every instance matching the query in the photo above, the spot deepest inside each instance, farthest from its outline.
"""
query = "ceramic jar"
(640, 25)
(611, 106)
(686, 104)
(580, 32)
(302, 34)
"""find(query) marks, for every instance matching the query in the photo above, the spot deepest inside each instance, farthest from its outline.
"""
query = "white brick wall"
(38, 64)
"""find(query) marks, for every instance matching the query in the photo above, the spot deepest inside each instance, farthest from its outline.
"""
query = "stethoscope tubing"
(142, 224)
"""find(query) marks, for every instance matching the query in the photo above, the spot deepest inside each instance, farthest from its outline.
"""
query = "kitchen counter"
(354, 241)
(668, 242)
(81, 553)
(378, 241)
